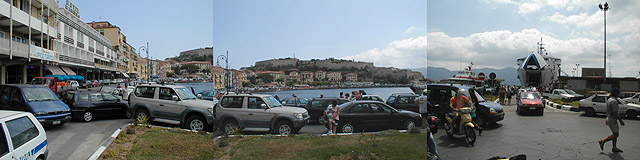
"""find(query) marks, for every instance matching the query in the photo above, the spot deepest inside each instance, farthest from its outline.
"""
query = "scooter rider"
(456, 103)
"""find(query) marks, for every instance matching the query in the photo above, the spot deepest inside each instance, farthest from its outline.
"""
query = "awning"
(125, 74)
(55, 69)
(68, 70)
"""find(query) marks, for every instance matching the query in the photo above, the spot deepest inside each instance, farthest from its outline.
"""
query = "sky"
(380, 31)
(168, 26)
(494, 33)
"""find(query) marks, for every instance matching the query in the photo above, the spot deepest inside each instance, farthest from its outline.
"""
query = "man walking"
(424, 104)
(612, 121)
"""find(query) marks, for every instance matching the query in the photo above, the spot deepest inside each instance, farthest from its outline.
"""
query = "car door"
(112, 105)
(381, 115)
(233, 105)
(21, 131)
(17, 100)
(439, 97)
(362, 117)
(407, 103)
(256, 115)
(599, 104)
(167, 107)
(97, 105)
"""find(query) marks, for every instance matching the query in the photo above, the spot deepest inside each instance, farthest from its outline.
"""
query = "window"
(377, 108)
(21, 130)
(16, 95)
(5, 92)
(231, 102)
(320, 104)
(406, 99)
(145, 92)
(166, 94)
(1, 34)
(96, 97)
(255, 103)
(4, 145)
(109, 97)
(391, 100)
(68, 97)
(600, 99)
(83, 97)
(290, 101)
(361, 108)
(302, 101)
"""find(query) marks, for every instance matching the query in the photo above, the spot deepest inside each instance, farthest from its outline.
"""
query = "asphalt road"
(558, 134)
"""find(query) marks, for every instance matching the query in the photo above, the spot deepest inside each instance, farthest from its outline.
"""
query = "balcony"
(22, 19)
(22, 50)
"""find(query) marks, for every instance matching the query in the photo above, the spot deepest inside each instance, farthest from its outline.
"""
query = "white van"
(22, 137)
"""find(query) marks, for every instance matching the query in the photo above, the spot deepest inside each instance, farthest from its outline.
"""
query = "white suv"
(173, 103)
(22, 137)
(258, 111)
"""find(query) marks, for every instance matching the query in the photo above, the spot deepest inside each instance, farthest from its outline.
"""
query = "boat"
(466, 77)
(538, 69)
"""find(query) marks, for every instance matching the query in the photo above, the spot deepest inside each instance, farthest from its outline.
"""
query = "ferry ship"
(538, 69)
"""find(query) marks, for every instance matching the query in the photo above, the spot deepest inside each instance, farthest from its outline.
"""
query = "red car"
(530, 102)
(96, 83)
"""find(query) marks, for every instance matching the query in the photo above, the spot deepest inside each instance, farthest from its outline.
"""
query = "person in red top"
(456, 103)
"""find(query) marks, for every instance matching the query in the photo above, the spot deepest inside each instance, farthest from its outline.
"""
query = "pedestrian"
(509, 95)
(336, 119)
(293, 95)
(341, 95)
(330, 114)
(476, 105)
(321, 95)
(501, 95)
(424, 105)
(346, 96)
(612, 120)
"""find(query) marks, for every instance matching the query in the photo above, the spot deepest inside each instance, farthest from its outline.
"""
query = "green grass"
(171, 144)
(385, 145)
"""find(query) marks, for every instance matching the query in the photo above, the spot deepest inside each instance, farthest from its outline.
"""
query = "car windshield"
(530, 96)
(38, 94)
(480, 98)
(107, 89)
(562, 92)
(273, 102)
(185, 93)
(570, 91)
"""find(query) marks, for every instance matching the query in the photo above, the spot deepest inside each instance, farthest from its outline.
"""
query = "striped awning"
(68, 70)
(55, 70)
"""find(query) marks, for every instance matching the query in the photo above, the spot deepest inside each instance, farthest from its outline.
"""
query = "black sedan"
(86, 106)
(316, 106)
(360, 116)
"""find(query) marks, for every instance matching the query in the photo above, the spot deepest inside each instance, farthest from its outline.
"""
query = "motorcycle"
(465, 126)
(432, 119)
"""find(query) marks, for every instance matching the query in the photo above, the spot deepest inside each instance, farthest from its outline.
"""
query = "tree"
(176, 69)
(191, 68)
(170, 74)
(267, 78)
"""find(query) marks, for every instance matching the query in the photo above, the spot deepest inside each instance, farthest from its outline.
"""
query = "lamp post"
(578, 69)
(146, 49)
(605, 8)
(226, 69)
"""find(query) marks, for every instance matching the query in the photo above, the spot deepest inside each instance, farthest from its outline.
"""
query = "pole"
(605, 46)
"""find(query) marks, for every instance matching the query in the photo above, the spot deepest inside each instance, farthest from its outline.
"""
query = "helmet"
(424, 92)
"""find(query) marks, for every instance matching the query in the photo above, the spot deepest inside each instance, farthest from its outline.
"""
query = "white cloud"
(410, 29)
(406, 53)
(500, 49)
(528, 8)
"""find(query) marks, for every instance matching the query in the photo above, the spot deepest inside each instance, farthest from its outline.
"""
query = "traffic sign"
(481, 76)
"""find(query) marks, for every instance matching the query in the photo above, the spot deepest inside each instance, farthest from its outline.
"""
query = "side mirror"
(175, 98)
(199, 96)
(263, 106)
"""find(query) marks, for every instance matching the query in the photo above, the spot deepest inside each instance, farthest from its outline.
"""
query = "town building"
(351, 77)
(307, 76)
(334, 76)
(321, 75)
(119, 43)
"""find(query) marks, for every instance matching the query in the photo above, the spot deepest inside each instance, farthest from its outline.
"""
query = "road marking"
(115, 134)
(97, 153)
(87, 146)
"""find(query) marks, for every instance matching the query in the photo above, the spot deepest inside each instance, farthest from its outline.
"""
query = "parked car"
(316, 106)
(108, 82)
(74, 85)
(295, 102)
(404, 101)
(597, 103)
(40, 101)
(529, 102)
(633, 99)
(208, 95)
(373, 98)
(238, 111)
(85, 84)
(86, 106)
(28, 137)
(360, 116)
(560, 94)
(440, 95)
(574, 94)
(173, 103)
(626, 94)
(95, 83)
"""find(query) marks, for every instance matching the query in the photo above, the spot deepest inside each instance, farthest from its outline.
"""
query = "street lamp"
(146, 49)
(226, 69)
(605, 8)
(578, 69)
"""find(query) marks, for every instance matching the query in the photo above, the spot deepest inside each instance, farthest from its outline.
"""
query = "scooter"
(432, 119)
(465, 126)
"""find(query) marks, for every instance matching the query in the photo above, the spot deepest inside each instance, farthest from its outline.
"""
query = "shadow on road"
(603, 116)
(452, 142)
(492, 126)
(613, 155)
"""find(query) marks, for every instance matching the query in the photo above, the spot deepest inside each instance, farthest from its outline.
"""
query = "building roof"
(196, 62)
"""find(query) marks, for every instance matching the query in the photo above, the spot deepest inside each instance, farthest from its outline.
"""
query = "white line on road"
(84, 150)
(97, 153)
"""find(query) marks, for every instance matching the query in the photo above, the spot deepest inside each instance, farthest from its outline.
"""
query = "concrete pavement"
(556, 135)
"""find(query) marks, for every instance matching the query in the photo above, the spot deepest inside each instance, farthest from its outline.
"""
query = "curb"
(561, 107)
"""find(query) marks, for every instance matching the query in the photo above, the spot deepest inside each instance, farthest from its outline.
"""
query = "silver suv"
(258, 111)
(173, 103)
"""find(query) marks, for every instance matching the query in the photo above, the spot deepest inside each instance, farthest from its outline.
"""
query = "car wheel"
(284, 128)
(632, 114)
(142, 114)
(196, 123)
(87, 116)
(230, 126)
(408, 124)
(589, 112)
(347, 128)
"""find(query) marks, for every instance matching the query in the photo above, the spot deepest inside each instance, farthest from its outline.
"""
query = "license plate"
(532, 107)
(56, 122)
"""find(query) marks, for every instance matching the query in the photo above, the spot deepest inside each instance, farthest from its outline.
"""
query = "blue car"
(440, 94)
(40, 101)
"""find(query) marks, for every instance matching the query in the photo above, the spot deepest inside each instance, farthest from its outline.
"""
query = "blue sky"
(259, 30)
(169, 27)
(494, 33)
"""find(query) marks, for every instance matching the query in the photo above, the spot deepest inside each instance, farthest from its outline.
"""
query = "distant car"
(95, 83)
(404, 101)
(207, 95)
(86, 106)
(74, 85)
(373, 98)
(295, 102)
(560, 94)
(530, 102)
(574, 94)
(360, 116)
(633, 99)
(597, 103)
(108, 82)
(316, 106)
(85, 84)
(40, 101)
